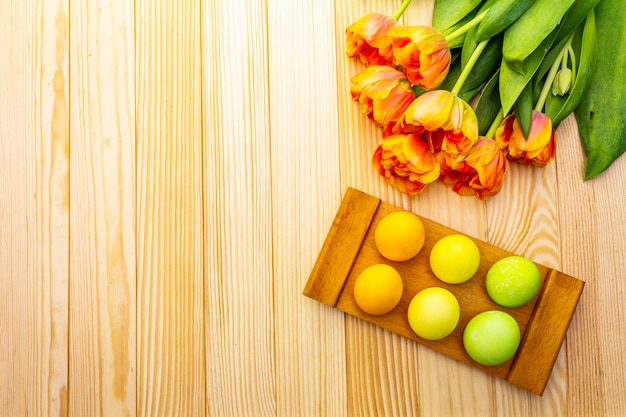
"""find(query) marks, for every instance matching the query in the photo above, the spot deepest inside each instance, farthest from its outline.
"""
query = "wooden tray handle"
(341, 246)
(545, 332)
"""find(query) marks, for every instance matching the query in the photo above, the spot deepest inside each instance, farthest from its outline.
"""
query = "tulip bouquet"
(524, 65)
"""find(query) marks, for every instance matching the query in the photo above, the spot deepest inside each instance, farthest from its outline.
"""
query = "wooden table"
(169, 171)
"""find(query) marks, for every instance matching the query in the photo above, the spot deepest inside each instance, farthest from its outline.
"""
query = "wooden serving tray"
(349, 248)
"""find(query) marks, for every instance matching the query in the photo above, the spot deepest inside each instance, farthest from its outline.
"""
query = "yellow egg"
(434, 313)
(454, 259)
(399, 236)
(378, 289)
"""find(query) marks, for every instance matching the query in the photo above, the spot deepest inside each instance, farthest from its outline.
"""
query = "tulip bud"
(538, 148)
(562, 82)
(367, 38)
(443, 120)
(423, 52)
(384, 93)
(406, 162)
(479, 172)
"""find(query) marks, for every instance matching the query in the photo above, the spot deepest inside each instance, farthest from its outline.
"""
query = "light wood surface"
(168, 173)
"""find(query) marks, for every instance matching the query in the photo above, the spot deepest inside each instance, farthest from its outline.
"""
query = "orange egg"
(378, 289)
(399, 236)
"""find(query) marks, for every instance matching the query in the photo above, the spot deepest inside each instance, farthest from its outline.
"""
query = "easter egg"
(454, 259)
(399, 236)
(491, 337)
(512, 281)
(378, 289)
(434, 313)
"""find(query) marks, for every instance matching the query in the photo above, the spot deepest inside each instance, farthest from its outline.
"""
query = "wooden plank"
(102, 180)
(546, 331)
(306, 191)
(170, 329)
(34, 208)
(51, 164)
(341, 246)
(471, 295)
(581, 251)
(238, 229)
(611, 287)
(593, 246)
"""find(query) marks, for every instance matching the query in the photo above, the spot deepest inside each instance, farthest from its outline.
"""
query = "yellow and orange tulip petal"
(479, 172)
(405, 161)
(491, 166)
(423, 53)
(442, 120)
(367, 38)
(538, 149)
(383, 92)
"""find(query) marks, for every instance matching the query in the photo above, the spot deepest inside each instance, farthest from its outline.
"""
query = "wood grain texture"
(232, 140)
(170, 337)
(102, 182)
(306, 180)
(34, 209)
(237, 195)
(591, 248)
(14, 210)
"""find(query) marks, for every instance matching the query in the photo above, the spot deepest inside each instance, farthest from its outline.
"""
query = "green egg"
(513, 281)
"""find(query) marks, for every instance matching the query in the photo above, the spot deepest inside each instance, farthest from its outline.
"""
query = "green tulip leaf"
(469, 46)
(528, 32)
(574, 17)
(482, 71)
(572, 20)
(448, 13)
(487, 63)
(513, 81)
(467, 95)
(558, 107)
(500, 16)
(524, 109)
(458, 41)
(488, 105)
(600, 115)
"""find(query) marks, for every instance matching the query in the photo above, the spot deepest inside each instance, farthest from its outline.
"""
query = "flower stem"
(572, 57)
(468, 67)
(554, 69)
(495, 124)
(401, 10)
(466, 27)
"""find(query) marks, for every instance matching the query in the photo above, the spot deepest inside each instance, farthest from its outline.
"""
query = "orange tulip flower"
(538, 149)
(423, 53)
(405, 161)
(384, 93)
(479, 172)
(367, 38)
(442, 120)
